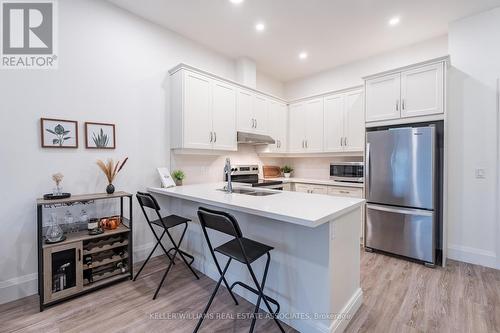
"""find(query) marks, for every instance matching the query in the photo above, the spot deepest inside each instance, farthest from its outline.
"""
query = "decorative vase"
(54, 232)
(178, 182)
(110, 189)
(287, 174)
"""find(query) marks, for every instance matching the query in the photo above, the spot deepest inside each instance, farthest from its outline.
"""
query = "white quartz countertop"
(305, 209)
(317, 182)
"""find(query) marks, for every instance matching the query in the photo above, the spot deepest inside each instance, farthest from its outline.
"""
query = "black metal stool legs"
(262, 296)
(158, 242)
(176, 250)
(182, 253)
(213, 296)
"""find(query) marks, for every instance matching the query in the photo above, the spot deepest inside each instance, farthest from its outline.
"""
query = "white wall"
(350, 75)
(270, 85)
(112, 66)
(473, 229)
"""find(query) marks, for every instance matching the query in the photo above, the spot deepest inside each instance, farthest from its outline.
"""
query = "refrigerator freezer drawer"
(406, 232)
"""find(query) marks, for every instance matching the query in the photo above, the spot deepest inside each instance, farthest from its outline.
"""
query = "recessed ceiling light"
(260, 26)
(236, 2)
(394, 21)
(303, 55)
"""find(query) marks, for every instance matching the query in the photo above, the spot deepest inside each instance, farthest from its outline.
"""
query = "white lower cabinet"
(351, 192)
(304, 188)
(311, 188)
(341, 191)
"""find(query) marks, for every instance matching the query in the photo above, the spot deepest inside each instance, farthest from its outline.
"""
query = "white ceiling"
(333, 32)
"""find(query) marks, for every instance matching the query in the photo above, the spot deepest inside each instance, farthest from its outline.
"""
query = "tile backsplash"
(207, 168)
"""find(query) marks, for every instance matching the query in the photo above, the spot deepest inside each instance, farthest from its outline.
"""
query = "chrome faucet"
(227, 171)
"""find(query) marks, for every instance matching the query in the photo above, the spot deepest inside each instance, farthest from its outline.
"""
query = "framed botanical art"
(100, 136)
(59, 133)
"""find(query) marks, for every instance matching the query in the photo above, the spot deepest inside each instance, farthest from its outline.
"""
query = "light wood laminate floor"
(399, 296)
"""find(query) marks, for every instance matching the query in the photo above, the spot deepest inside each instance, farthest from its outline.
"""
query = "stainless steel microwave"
(347, 172)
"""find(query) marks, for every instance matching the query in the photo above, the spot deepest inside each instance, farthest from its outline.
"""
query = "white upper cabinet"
(383, 98)
(422, 91)
(314, 125)
(261, 114)
(296, 128)
(344, 122)
(203, 112)
(413, 92)
(334, 123)
(354, 121)
(224, 116)
(197, 112)
(306, 126)
(278, 123)
(252, 112)
(246, 121)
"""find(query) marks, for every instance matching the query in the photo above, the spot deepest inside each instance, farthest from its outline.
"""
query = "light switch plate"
(480, 173)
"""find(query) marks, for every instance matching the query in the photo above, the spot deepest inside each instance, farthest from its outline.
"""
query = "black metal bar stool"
(146, 200)
(241, 249)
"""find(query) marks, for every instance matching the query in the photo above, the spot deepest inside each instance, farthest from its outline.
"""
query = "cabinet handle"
(403, 104)
(256, 123)
(211, 137)
(344, 192)
(397, 105)
(215, 136)
(345, 141)
(307, 144)
(341, 142)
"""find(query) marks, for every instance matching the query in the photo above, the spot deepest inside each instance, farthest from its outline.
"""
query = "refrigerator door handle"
(367, 171)
(406, 211)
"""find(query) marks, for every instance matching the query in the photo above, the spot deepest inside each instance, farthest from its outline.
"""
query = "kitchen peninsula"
(315, 269)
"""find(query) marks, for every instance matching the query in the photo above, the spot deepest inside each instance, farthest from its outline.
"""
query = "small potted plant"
(178, 176)
(287, 170)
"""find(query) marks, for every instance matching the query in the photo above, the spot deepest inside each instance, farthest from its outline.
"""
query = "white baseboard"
(142, 251)
(18, 287)
(473, 255)
(350, 309)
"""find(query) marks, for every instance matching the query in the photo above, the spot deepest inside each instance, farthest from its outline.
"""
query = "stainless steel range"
(249, 175)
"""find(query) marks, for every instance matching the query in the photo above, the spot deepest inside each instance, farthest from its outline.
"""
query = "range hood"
(255, 139)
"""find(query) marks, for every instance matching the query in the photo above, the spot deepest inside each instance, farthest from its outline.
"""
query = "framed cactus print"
(100, 136)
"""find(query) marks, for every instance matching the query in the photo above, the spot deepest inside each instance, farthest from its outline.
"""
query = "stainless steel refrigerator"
(401, 210)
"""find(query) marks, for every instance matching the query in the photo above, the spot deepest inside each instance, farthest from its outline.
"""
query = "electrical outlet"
(480, 173)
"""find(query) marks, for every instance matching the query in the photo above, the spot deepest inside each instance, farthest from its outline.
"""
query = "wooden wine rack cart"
(79, 245)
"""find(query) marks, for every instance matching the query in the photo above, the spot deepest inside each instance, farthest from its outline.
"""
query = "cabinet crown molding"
(185, 66)
(445, 59)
